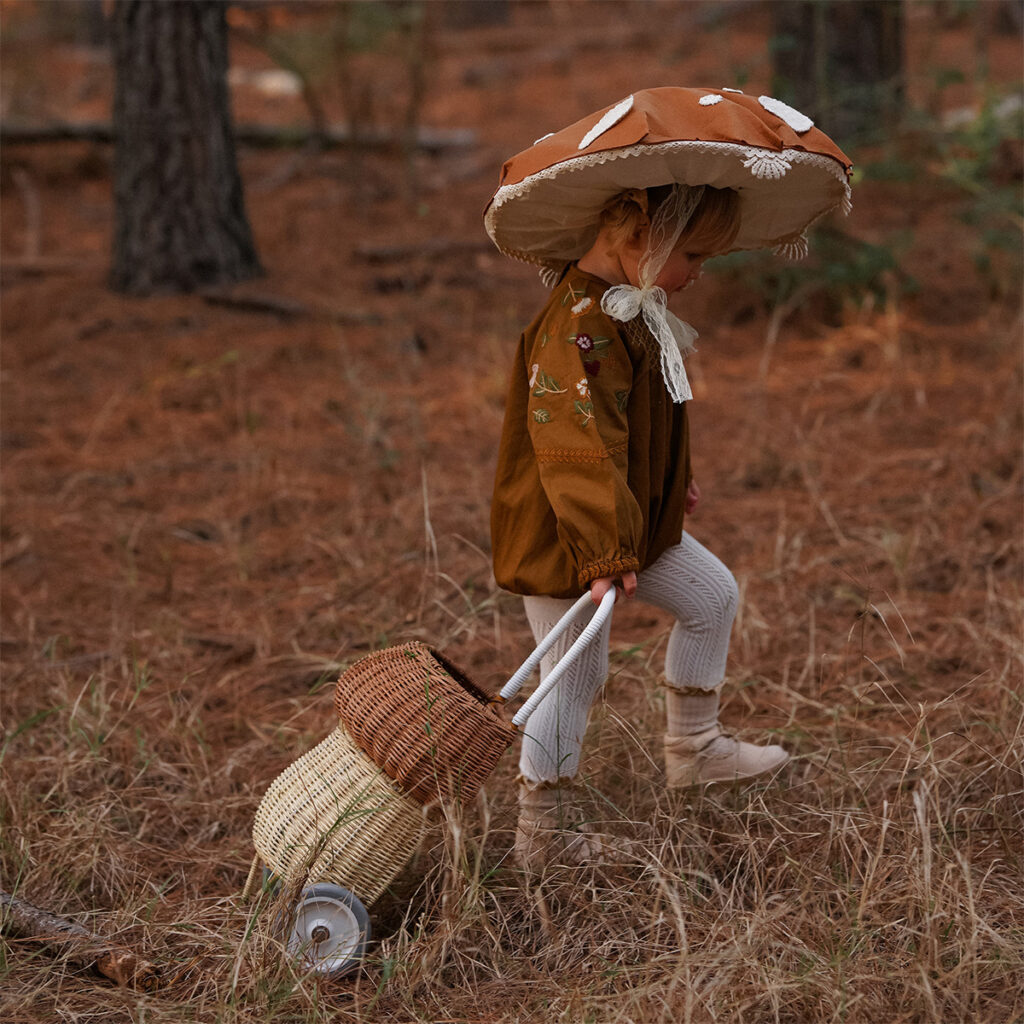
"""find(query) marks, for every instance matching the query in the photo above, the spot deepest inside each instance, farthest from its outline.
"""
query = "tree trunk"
(841, 63)
(180, 218)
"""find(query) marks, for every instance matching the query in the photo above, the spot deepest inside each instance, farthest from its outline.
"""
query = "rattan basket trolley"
(344, 819)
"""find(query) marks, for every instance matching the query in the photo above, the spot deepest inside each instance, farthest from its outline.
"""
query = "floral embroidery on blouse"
(541, 416)
(533, 374)
(574, 295)
(592, 349)
(583, 306)
(546, 385)
(585, 410)
(583, 388)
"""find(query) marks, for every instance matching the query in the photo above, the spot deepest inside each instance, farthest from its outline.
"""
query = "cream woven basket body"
(351, 812)
(334, 816)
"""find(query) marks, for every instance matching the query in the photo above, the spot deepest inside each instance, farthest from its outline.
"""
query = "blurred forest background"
(221, 486)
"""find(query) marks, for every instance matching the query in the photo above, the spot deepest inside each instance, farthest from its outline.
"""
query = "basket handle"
(593, 628)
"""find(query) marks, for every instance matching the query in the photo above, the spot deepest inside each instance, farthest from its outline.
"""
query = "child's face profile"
(624, 236)
(681, 269)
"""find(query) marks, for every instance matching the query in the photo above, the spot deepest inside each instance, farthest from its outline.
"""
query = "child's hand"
(598, 588)
(692, 497)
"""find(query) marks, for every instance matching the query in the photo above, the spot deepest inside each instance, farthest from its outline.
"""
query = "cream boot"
(553, 830)
(698, 751)
(715, 756)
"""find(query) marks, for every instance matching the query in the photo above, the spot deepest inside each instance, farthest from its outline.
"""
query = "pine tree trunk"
(180, 218)
(841, 63)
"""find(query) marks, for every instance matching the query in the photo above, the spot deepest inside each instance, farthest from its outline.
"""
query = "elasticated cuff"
(609, 567)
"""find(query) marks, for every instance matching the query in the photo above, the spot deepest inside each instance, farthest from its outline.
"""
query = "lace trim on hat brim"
(508, 193)
(796, 246)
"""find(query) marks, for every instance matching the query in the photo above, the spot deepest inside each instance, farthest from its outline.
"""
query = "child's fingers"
(598, 588)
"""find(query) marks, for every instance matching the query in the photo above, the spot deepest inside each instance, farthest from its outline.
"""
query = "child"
(594, 477)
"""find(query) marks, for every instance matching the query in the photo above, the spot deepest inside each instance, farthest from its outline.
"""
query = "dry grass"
(878, 880)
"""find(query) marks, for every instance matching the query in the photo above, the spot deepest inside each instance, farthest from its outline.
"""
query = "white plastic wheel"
(331, 930)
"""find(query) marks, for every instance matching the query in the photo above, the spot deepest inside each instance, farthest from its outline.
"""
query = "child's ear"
(637, 241)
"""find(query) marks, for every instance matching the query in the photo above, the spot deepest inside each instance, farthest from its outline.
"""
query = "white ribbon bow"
(675, 337)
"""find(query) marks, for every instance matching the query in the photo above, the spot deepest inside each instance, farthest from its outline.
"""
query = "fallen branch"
(287, 309)
(38, 266)
(266, 136)
(78, 945)
(435, 247)
(79, 660)
(253, 302)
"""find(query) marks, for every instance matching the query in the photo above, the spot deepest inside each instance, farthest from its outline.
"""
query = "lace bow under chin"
(675, 337)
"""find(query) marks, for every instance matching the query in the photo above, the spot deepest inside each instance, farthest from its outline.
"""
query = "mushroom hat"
(787, 172)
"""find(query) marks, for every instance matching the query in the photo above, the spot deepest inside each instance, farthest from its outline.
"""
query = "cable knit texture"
(688, 581)
(699, 590)
(553, 734)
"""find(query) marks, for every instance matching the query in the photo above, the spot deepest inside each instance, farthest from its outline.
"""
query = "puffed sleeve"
(580, 376)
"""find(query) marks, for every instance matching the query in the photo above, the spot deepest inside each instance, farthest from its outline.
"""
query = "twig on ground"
(80, 660)
(77, 944)
(288, 309)
(39, 266)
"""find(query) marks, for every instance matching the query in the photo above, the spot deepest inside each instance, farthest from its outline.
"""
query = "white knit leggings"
(688, 581)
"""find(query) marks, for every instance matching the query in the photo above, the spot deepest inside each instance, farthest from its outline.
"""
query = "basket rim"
(416, 647)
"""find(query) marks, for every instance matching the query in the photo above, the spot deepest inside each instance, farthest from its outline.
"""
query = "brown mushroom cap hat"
(787, 172)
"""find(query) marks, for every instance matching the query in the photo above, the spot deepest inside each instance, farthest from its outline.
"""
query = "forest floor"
(210, 510)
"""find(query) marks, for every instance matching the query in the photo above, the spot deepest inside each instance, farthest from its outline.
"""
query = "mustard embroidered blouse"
(594, 461)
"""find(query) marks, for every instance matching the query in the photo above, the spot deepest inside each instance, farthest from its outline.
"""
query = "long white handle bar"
(593, 628)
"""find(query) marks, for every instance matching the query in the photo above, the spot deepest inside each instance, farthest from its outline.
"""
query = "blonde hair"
(712, 228)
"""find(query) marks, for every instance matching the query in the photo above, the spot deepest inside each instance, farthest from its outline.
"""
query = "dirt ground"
(208, 511)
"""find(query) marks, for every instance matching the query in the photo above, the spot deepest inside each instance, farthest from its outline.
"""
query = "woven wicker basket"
(422, 720)
(337, 814)
(332, 815)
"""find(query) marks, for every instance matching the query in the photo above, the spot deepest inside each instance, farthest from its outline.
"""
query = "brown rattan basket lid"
(422, 721)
